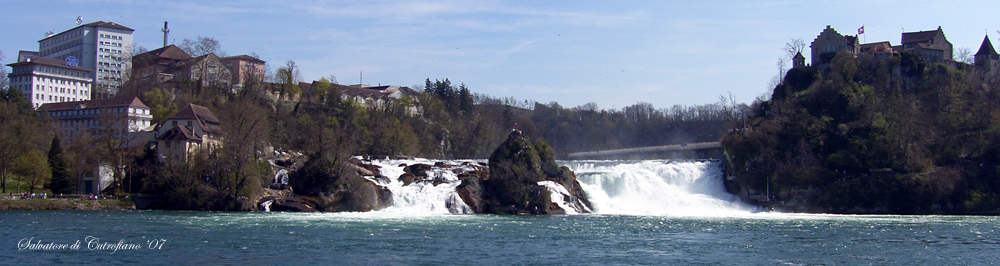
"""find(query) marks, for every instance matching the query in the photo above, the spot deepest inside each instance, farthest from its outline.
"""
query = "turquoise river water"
(650, 212)
(187, 238)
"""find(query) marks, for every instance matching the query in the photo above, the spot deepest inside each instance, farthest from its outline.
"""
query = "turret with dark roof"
(987, 58)
(987, 47)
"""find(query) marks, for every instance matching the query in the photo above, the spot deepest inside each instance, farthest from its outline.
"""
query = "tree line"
(271, 113)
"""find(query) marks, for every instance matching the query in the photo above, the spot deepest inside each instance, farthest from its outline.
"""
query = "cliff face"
(886, 135)
(512, 187)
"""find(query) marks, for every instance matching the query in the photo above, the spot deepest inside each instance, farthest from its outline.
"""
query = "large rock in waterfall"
(335, 186)
(518, 172)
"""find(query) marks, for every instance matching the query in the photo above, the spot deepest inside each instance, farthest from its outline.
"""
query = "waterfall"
(656, 187)
(266, 206)
(425, 196)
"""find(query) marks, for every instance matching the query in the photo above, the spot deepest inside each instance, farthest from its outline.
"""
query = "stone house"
(829, 43)
(931, 46)
(191, 129)
(170, 67)
(244, 67)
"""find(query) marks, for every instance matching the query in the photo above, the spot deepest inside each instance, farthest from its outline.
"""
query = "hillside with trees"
(270, 115)
(874, 135)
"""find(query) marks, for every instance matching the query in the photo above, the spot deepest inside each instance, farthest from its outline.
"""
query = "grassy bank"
(66, 204)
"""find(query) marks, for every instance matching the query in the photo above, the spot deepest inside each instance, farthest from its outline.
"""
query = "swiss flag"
(861, 30)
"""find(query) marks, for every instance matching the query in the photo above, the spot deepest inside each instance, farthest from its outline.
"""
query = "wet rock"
(511, 184)
(419, 169)
(408, 178)
(382, 180)
(333, 186)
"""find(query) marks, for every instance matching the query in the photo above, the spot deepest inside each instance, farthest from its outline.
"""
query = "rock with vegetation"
(886, 134)
(512, 186)
(334, 185)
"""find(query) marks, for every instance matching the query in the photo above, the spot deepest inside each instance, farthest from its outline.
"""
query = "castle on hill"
(930, 46)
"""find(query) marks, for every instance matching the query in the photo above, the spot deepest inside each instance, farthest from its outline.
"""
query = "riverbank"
(65, 204)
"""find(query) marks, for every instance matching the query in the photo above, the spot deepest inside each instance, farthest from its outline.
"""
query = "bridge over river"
(701, 150)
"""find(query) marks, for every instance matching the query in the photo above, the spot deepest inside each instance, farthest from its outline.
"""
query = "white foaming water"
(560, 196)
(673, 188)
(423, 197)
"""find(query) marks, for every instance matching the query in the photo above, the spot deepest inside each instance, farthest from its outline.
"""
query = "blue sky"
(613, 53)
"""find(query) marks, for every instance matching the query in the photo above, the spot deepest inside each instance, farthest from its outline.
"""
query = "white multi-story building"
(102, 46)
(96, 117)
(125, 122)
(46, 80)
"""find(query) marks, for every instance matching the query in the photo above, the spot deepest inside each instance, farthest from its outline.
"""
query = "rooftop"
(98, 23)
(91, 104)
(987, 47)
(194, 111)
(242, 57)
(50, 62)
(921, 36)
(179, 132)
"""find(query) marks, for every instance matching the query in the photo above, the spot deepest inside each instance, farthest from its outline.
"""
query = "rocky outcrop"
(334, 186)
(512, 185)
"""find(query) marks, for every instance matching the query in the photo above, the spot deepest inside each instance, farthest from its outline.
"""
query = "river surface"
(646, 212)
(188, 238)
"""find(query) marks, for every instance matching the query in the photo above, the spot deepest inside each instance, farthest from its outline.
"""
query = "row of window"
(40, 88)
(115, 44)
(26, 79)
(62, 71)
(23, 71)
(109, 57)
(56, 98)
(62, 37)
(109, 36)
(94, 111)
(108, 64)
(108, 50)
(61, 47)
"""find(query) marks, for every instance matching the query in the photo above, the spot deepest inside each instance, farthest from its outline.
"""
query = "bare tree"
(794, 47)
(118, 79)
(3, 74)
(964, 55)
(81, 156)
(288, 77)
(246, 136)
(209, 71)
(114, 142)
(202, 46)
(781, 71)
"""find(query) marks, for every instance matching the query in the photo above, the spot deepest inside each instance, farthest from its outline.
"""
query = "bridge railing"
(678, 151)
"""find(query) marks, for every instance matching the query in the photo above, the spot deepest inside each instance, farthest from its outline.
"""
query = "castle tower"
(987, 57)
(799, 60)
